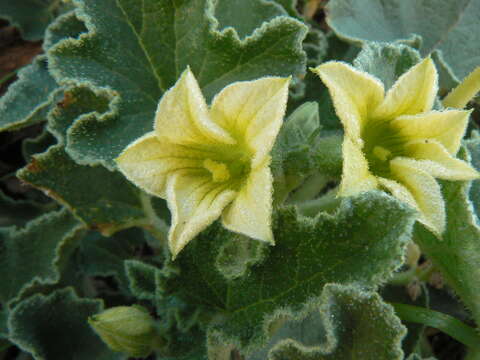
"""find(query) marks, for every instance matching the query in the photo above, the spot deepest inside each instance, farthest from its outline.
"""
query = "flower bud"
(128, 329)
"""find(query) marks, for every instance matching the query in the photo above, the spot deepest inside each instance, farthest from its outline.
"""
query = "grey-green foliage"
(386, 61)
(29, 99)
(449, 26)
(247, 15)
(105, 256)
(102, 199)
(346, 323)
(39, 324)
(349, 247)
(26, 102)
(457, 254)
(126, 50)
(37, 253)
(17, 212)
(31, 16)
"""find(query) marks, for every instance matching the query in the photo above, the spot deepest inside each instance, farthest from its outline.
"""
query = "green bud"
(128, 329)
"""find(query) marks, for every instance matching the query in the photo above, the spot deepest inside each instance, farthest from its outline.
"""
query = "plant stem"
(445, 323)
(310, 188)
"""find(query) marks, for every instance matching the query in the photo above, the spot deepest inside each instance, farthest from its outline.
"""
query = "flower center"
(218, 170)
(382, 143)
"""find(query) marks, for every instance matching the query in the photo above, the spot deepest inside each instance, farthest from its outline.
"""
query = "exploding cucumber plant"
(255, 179)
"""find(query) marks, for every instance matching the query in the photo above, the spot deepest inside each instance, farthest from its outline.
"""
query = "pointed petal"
(252, 112)
(447, 127)
(251, 211)
(355, 94)
(399, 191)
(182, 115)
(413, 93)
(433, 158)
(195, 202)
(424, 189)
(464, 92)
(356, 177)
(147, 161)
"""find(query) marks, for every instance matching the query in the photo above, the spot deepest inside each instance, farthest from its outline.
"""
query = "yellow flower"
(395, 141)
(211, 162)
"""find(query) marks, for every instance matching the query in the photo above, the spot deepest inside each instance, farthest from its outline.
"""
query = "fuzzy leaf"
(31, 16)
(349, 247)
(141, 278)
(247, 15)
(104, 256)
(17, 212)
(125, 50)
(452, 26)
(347, 324)
(103, 199)
(386, 61)
(26, 102)
(473, 147)
(55, 327)
(36, 253)
(457, 255)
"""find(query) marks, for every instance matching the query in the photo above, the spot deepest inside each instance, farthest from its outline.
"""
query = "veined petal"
(413, 93)
(464, 92)
(447, 127)
(356, 177)
(355, 94)
(251, 211)
(424, 189)
(147, 161)
(399, 191)
(182, 115)
(195, 202)
(252, 112)
(433, 158)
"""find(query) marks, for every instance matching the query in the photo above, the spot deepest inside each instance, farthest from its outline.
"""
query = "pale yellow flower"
(395, 141)
(211, 162)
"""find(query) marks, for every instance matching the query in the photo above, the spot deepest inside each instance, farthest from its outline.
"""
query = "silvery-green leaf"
(448, 26)
(137, 50)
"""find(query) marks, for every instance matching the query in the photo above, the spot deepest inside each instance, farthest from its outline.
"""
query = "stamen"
(218, 170)
(382, 153)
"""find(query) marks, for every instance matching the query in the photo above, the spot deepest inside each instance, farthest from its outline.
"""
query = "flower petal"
(413, 93)
(433, 158)
(251, 211)
(195, 202)
(355, 94)
(447, 127)
(182, 115)
(399, 191)
(252, 112)
(356, 177)
(464, 92)
(424, 189)
(147, 161)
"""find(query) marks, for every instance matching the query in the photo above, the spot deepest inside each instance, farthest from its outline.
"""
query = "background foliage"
(76, 237)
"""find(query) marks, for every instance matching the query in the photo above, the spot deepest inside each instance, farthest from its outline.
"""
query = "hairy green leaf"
(37, 253)
(104, 200)
(246, 15)
(138, 50)
(31, 16)
(473, 147)
(347, 323)
(457, 254)
(54, 327)
(448, 26)
(386, 61)
(27, 100)
(37, 145)
(17, 212)
(105, 256)
(141, 279)
(349, 247)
